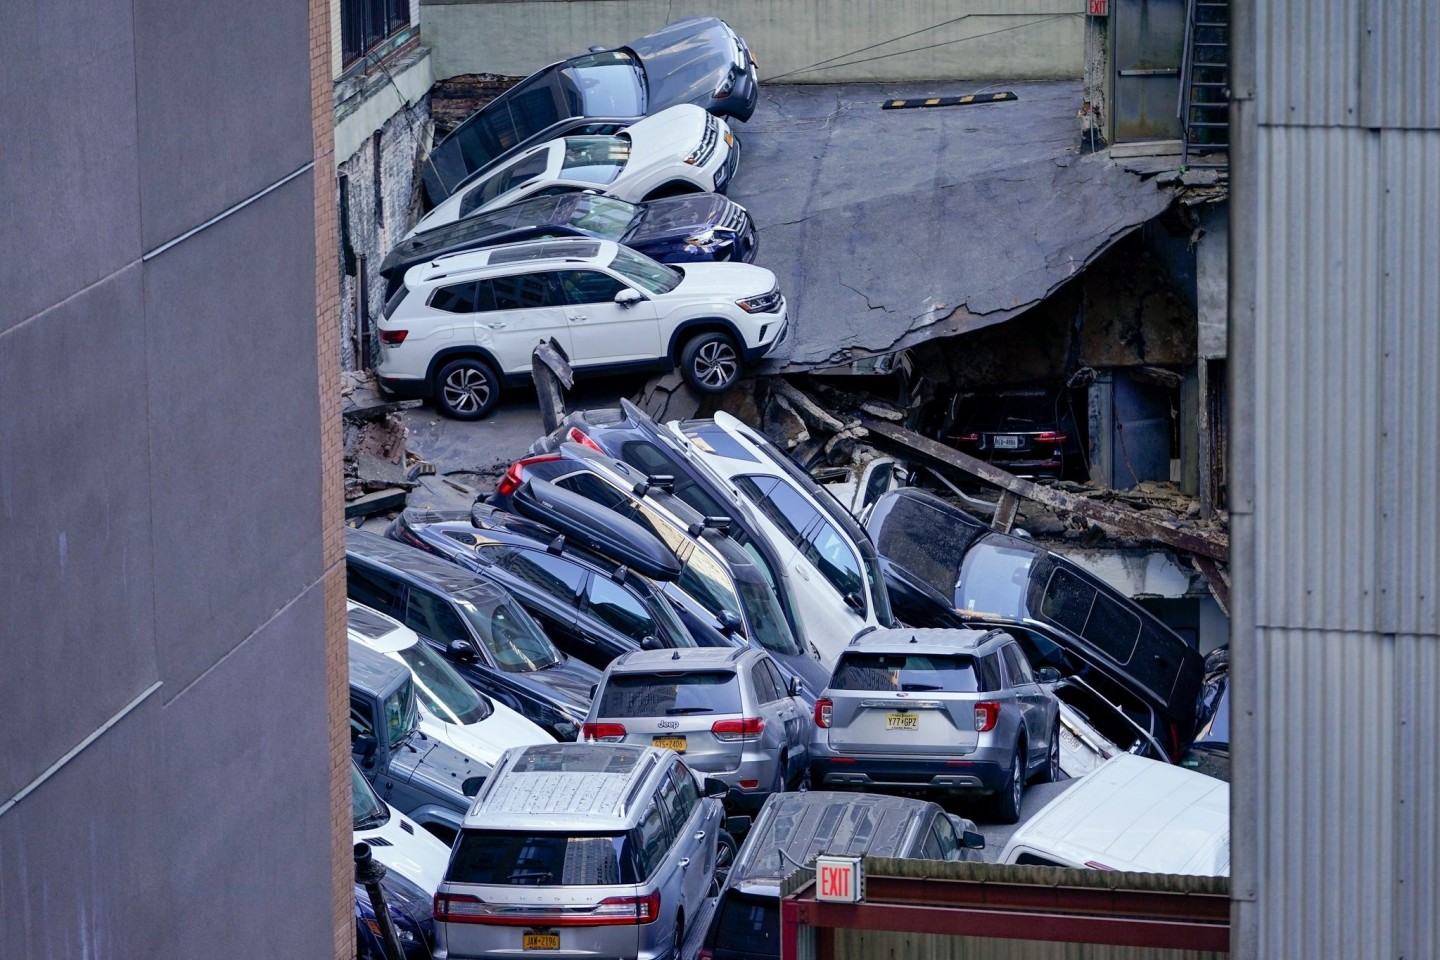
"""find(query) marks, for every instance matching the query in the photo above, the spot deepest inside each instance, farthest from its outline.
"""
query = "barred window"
(365, 23)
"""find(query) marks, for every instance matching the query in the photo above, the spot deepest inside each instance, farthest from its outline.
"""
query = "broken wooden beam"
(1218, 581)
(1205, 543)
(1005, 511)
(550, 369)
(811, 413)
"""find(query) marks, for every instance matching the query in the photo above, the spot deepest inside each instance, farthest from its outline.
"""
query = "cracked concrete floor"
(887, 227)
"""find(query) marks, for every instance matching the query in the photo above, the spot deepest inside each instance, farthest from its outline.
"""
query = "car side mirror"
(792, 689)
(651, 642)
(472, 786)
(628, 297)
(461, 650)
(1047, 675)
(729, 622)
(973, 840)
(715, 787)
(597, 49)
(364, 746)
(853, 601)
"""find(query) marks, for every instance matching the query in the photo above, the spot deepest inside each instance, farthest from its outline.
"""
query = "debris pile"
(377, 472)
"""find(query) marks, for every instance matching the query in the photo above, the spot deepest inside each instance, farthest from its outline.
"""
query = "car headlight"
(727, 86)
(710, 237)
(401, 934)
(765, 303)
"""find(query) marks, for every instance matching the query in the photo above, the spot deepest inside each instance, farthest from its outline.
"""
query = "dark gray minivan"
(793, 828)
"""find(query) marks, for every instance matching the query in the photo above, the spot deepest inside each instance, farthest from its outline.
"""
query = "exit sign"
(839, 880)
(1099, 8)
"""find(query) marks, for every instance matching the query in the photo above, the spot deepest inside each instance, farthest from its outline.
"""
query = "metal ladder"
(1204, 107)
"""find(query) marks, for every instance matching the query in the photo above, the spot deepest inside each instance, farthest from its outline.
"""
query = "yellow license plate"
(670, 743)
(540, 941)
(729, 139)
(902, 721)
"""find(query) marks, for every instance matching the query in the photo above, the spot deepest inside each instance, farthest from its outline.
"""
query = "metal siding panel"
(1308, 71)
(1327, 828)
(1410, 445)
(1316, 403)
(1417, 810)
(1397, 72)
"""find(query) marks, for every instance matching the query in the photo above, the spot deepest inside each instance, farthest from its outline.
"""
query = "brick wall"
(324, 54)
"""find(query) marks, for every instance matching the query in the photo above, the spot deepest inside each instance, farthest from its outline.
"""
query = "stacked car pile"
(585, 206)
(711, 628)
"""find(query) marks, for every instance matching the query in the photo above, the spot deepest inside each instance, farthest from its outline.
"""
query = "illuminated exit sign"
(1099, 8)
(839, 880)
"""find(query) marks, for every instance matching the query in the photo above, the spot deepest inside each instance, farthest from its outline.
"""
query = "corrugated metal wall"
(1336, 300)
(874, 945)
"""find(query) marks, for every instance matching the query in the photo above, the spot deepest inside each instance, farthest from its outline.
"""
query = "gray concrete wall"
(797, 41)
(165, 783)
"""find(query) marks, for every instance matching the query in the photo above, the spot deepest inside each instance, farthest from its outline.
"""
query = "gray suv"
(730, 711)
(947, 711)
(581, 849)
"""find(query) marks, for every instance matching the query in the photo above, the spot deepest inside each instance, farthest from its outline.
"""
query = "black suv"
(593, 607)
(479, 628)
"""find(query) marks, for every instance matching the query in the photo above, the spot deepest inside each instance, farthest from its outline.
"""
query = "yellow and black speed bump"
(950, 101)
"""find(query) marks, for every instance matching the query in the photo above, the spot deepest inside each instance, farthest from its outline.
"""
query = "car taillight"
(1050, 436)
(513, 479)
(969, 438)
(607, 732)
(393, 337)
(987, 713)
(576, 435)
(627, 910)
(746, 729)
(458, 908)
(705, 954)
(823, 708)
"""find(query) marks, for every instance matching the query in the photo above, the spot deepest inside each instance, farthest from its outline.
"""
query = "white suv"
(463, 326)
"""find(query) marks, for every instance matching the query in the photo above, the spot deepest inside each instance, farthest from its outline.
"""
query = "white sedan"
(681, 149)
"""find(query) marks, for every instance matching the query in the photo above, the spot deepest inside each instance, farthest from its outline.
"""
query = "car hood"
(488, 738)
(664, 137)
(728, 280)
(569, 683)
(407, 849)
(686, 60)
(680, 217)
(437, 768)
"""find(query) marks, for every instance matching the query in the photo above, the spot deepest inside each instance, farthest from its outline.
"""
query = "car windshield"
(513, 639)
(400, 712)
(596, 160)
(532, 858)
(605, 217)
(645, 273)
(441, 690)
(502, 181)
(994, 580)
(368, 810)
(920, 673)
(669, 695)
(767, 623)
(611, 84)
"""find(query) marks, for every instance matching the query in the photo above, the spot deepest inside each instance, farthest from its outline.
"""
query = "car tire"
(710, 362)
(1007, 798)
(466, 389)
(777, 784)
(679, 937)
(1051, 771)
(725, 847)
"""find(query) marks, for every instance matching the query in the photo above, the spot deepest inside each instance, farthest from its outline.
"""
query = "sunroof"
(544, 251)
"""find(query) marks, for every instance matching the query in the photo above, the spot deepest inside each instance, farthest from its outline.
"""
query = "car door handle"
(684, 862)
(700, 835)
(579, 317)
(498, 325)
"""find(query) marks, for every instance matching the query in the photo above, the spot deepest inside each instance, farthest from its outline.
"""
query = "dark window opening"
(365, 24)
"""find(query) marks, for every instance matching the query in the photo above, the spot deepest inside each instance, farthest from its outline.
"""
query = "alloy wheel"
(716, 363)
(467, 390)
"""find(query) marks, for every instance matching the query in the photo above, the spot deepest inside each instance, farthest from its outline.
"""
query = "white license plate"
(1007, 443)
(902, 721)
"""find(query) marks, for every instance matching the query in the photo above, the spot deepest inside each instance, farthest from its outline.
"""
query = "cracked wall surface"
(889, 227)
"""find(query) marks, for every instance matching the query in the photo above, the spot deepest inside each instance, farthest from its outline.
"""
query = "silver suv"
(730, 711)
(951, 711)
(585, 849)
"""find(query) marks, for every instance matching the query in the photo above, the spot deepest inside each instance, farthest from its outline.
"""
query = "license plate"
(1071, 741)
(902, 721)
(1007, 443)
(670, 743)
(540, 941)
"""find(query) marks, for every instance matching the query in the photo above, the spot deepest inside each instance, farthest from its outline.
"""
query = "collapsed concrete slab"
(888, 228)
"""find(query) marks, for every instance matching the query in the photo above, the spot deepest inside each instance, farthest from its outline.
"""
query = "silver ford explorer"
(581, 850)
(938, 711)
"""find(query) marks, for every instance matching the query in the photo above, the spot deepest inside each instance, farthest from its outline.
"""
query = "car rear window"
(533, 858)
(751, 927)
(932, 673)
(660, 695)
